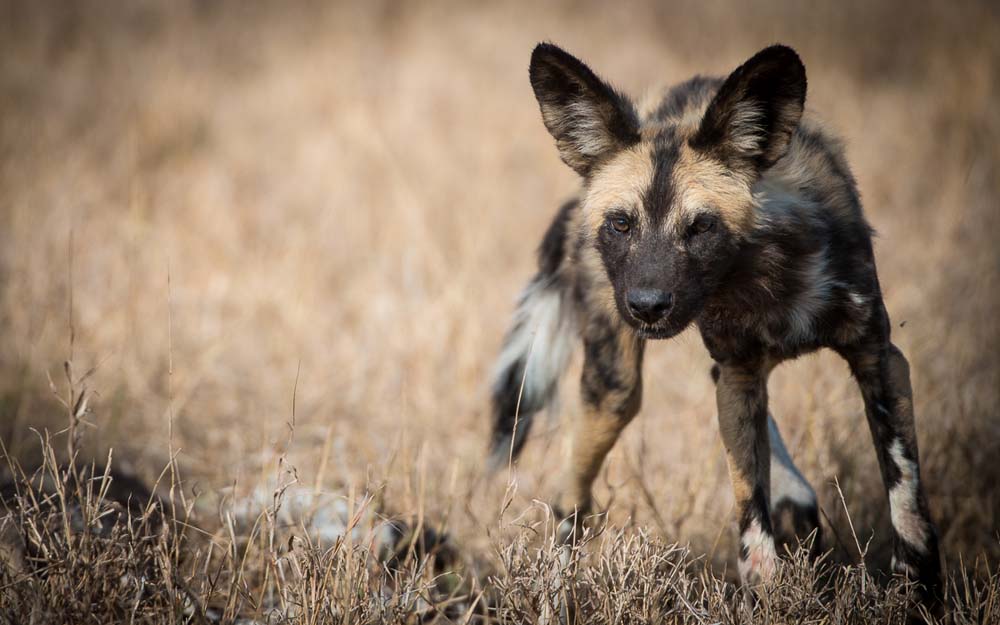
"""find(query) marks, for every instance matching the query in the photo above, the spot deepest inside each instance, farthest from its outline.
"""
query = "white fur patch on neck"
(906, 518)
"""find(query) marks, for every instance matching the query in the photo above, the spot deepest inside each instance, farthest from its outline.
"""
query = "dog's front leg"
(742, 402)
(883, 375)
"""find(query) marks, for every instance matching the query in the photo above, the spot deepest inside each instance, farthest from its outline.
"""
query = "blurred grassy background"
(228, 204)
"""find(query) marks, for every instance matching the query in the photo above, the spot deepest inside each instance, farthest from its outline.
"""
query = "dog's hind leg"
(794, 510)
(611, 387)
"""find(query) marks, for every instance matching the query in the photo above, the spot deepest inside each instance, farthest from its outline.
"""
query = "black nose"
(649, 305)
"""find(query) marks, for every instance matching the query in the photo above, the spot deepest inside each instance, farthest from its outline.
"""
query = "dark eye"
(702, 224)
(619, 223)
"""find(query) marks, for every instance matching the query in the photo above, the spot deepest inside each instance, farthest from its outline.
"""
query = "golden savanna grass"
(281, 244)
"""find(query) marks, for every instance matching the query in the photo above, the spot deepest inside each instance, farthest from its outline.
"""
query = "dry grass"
(289, 242)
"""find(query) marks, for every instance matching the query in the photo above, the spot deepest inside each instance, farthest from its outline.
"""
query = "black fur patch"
(927, 565)
(755, 509)
(511, 422)
(602, 372)
(659, 196)
(793, 524)
(553, 247)
(690, 94)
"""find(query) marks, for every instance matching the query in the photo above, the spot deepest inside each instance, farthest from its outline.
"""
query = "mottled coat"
(722, 205)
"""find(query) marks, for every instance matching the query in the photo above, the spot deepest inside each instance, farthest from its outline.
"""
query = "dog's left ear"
(751, 120)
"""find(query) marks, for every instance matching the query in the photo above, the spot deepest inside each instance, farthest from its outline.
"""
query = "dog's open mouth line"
(654, 332)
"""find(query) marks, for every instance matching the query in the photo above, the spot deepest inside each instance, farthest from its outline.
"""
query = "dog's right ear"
(588, 118)
(751, 120)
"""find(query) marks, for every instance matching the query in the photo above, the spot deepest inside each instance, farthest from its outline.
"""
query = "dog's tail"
(536, 349)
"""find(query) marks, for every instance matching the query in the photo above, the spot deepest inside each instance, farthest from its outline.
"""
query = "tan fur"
(598, 427)
(647, 105)
(594, 434)
(600, 297)
(706, 184)
(618, 185)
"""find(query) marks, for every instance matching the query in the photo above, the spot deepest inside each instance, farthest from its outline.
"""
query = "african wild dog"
(724, 206)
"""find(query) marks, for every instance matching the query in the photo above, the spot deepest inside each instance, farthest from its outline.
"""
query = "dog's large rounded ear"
(751, 120)
(588, 118)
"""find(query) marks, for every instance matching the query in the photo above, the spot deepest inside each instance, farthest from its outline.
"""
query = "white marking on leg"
(906, 518)
(761, 561)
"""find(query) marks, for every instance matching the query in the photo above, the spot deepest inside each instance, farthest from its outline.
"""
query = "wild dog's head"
(668, 202)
